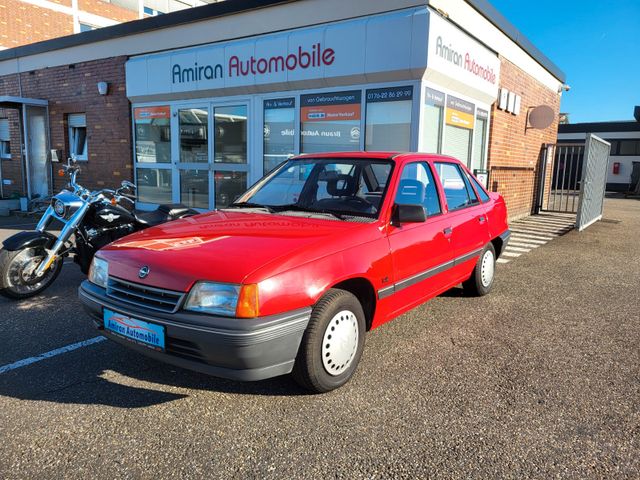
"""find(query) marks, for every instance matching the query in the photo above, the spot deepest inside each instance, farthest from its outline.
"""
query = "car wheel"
(332, 344)
(481, 280)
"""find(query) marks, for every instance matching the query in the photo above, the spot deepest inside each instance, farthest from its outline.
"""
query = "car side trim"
(407, 282)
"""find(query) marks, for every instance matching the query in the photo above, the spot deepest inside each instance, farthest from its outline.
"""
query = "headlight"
(99, 272)
(60, 208)
(216, 298)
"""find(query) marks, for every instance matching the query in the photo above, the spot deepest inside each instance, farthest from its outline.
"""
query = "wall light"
(103, 88)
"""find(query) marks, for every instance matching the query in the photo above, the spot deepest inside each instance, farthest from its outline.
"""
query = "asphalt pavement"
(539, 379)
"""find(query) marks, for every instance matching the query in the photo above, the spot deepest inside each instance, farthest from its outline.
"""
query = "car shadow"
(454, 292)
(109, 374)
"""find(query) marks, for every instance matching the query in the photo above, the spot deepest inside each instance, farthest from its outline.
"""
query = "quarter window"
(5, 138)
(78, 136)
(481, 191)
(417, 187)
(454, 186)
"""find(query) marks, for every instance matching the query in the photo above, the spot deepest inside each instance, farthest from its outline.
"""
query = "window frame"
(71, 131)
(7, 141)
(429, 168)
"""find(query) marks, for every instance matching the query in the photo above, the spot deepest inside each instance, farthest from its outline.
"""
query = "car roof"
(398, 157)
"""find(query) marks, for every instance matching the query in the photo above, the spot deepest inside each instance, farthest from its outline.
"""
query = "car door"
(421, 252)
(466, 215)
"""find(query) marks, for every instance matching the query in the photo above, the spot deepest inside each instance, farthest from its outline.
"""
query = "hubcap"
(20, 274)
(340, 342)
(487, 268)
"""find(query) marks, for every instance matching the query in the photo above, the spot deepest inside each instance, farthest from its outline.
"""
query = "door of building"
(37, 145)
(210, 156)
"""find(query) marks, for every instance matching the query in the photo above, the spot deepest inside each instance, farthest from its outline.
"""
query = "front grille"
(139, 295)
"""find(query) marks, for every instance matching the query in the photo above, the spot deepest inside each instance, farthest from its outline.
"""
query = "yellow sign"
(459, 119)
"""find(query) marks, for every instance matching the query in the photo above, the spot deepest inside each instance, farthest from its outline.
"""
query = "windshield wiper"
(298, 208)
(251, 205)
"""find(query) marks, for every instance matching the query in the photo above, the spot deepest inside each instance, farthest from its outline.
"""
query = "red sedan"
(289, 277)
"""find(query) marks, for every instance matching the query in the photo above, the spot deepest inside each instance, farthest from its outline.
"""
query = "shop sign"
(433, 97)
(358, 49)
(459, 112)
(389, 94)
(330, 118)
(453, 53)
(150, 113)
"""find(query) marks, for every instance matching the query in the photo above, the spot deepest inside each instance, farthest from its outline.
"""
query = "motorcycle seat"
(162, 214)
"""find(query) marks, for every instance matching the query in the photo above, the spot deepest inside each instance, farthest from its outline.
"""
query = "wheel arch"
(364, 291)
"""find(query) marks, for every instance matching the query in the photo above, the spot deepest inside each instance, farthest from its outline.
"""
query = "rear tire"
(13, 284)
(332, 344)
(481, 280)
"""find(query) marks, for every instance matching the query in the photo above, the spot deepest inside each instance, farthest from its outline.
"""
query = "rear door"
(420, 252)
(466, 215)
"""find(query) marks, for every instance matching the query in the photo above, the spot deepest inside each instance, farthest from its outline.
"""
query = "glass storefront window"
(330, 122)
(153, 134)
(229, 185)
(194, 188)
(279, 131)
(230, 134)
(479, 140)
(388, 120)
(194, 127)
(154, 185)
(433, 117)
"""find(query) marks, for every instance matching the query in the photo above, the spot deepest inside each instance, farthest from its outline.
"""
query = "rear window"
(454, 186)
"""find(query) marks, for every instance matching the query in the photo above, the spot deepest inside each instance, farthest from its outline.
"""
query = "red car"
(291, 276)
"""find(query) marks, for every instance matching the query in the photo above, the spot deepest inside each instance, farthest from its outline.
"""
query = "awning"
(8, 101)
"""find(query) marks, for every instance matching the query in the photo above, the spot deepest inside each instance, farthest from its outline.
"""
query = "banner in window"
(433, 97)
(459, 112)
(330, 121)
(149, 113)
(389, 94)
(278, 131)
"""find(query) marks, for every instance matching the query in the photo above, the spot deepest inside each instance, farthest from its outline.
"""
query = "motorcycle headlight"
(216, 298)
(99, 272)
(59, 207)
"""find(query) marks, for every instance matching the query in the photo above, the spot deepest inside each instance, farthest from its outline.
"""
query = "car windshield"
(345, 186)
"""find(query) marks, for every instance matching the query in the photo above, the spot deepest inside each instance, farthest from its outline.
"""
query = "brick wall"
(72, 89)
(108, 10)
(514, 154)
(22, 23)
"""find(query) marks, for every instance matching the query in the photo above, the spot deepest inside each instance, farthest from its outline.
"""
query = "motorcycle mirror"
(128, 184)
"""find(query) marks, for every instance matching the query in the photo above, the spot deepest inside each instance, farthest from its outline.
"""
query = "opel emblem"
(143, 272)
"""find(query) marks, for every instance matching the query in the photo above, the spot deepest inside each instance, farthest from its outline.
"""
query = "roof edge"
(189, 15)
(615, 126)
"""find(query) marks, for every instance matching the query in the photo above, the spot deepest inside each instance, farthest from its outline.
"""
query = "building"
(29, 21)
(624, 157)
(196, 105)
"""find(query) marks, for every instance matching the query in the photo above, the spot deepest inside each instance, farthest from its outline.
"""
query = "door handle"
(481, 219)
(447, 232)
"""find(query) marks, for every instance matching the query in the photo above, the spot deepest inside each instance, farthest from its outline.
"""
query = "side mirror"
(404, 213)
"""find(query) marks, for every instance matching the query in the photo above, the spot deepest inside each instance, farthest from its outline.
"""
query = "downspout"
(23, 140)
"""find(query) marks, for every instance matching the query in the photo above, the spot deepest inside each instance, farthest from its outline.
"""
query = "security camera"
(566, 87)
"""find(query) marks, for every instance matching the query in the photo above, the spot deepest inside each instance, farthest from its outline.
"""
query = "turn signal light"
(248, 302)
(61, 173)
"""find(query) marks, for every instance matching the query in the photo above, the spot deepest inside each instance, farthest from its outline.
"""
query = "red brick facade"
(514, 151)
(73, 89)
(22, 23)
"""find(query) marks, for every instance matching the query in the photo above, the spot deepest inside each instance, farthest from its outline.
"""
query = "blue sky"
(595, 43)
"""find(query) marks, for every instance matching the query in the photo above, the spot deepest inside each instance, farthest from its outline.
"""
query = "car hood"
(225, 246)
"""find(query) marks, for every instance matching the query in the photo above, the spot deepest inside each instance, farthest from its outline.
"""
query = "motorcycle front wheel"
(17, 279)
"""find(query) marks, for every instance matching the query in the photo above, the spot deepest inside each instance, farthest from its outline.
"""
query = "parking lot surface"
(540, 378)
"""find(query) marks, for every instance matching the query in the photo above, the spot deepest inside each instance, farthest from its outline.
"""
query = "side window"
(5, 139)
(481, 191)
(417, 186)
(470, 192)
(455, 188)
(78, 136)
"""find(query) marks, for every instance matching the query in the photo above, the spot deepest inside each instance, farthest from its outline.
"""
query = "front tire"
(481, 280)
(332, 343)
(15, 280)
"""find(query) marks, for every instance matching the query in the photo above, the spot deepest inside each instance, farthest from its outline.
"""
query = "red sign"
(146, 113)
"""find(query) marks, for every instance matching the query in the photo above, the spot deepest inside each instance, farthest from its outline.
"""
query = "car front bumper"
(235, 348)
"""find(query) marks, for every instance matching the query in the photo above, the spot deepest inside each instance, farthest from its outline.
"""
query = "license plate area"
(138, 331)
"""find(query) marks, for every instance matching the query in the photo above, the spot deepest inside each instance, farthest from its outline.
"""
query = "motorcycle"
(31, 260)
